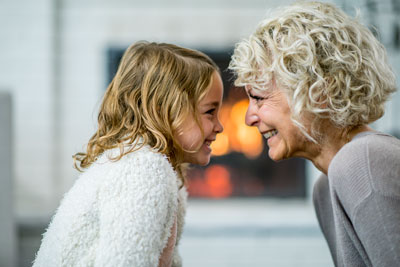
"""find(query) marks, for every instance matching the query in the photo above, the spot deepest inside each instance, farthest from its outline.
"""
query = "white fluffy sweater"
(118, 213)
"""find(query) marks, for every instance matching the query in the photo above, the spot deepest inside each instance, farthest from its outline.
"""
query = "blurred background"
(56, 59)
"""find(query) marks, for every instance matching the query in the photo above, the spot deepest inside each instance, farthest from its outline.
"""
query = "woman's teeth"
(270, 134)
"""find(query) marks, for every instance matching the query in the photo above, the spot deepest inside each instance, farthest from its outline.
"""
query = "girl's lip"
(207, 143)
(207, 147)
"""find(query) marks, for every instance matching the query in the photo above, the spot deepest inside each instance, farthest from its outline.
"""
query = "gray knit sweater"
(358, 203)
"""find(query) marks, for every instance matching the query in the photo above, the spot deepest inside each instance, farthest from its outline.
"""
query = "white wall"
(25, 68)
(8, 233)
(56, 69)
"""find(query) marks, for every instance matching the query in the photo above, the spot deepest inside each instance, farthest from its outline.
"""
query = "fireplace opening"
(240, 166)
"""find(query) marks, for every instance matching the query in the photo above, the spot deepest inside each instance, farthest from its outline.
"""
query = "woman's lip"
(269, 140)
(269, 134)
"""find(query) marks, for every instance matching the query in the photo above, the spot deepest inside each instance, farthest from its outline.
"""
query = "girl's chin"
(203, 160)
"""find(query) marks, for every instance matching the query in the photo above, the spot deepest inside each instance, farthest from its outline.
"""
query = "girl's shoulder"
(141, 158)
(143, 167)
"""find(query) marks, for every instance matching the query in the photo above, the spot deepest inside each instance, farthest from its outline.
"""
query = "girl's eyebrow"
(212, 104)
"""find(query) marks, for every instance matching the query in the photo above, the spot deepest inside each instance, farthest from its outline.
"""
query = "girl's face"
(269, 111)
(189, 135)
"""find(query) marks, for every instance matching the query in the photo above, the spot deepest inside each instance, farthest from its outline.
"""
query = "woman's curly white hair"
(328, 64)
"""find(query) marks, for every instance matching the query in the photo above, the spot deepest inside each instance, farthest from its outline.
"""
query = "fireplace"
(240, 166)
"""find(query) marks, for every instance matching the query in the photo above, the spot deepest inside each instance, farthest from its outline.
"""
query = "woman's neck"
(332, 144)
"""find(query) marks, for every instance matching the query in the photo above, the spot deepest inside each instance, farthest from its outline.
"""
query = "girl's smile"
(198, 147)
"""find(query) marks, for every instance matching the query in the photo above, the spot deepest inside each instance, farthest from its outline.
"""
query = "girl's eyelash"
(210, 111)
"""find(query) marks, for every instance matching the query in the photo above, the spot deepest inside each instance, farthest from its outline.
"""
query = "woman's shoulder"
(367, 148)
(375, 142)
(370, 163)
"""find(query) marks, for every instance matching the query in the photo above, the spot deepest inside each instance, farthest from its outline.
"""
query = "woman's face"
(189, 135)
(269, 111)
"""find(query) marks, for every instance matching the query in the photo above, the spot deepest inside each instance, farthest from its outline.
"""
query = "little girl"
(159, 113)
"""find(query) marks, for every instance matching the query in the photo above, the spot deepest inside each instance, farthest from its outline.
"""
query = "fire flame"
(237, 136)
(215, 183)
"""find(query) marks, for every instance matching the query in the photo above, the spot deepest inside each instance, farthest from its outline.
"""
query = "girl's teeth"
(270, 134)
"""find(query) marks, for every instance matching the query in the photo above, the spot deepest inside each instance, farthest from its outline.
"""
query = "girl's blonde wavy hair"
(156, 87)
(328, 64)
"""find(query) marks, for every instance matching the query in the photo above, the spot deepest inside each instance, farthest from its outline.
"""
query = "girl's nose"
(218, 126)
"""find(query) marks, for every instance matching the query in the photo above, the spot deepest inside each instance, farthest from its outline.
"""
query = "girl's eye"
(210, 111)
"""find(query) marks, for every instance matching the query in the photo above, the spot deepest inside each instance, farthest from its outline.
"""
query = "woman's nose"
(251, 118)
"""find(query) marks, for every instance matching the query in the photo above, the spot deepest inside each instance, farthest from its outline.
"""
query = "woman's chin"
(274, 155)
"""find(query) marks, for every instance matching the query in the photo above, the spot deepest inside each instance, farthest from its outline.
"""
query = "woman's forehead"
(261, 88)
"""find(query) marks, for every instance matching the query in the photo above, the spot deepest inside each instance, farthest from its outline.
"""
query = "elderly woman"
(316, 78)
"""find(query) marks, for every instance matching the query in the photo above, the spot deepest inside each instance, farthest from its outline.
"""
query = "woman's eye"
(257, 98)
